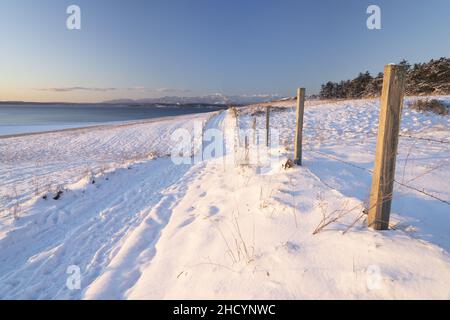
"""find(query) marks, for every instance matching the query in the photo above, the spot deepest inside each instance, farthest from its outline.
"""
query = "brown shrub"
(434, 106)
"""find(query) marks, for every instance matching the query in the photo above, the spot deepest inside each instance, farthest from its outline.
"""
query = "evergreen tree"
(432, 77)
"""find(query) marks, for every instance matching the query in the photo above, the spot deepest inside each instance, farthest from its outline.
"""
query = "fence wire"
(423, 191)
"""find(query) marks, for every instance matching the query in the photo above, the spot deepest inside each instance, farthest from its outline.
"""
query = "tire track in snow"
(140, 247)
(87, 228)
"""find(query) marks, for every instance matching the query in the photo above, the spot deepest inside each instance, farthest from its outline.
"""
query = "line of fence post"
(268, 126)
(255, 141)
(299, 125)
(386, 150)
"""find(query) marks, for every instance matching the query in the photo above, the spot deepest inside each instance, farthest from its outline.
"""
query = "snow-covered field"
(34, 164)
(150, 229)
(25, 129)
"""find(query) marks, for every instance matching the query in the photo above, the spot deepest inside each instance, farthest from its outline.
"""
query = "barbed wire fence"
(318, 137)
(405, 185)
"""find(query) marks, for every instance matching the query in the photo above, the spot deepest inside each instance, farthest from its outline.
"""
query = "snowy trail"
(239, 234)
(80, 230)
(86, 228)
(141, 245)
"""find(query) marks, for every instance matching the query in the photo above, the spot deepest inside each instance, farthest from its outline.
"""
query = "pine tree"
(432, 77)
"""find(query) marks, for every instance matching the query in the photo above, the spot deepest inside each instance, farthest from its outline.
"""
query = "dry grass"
(335, 216)
(14, 209)
(238, 248)
(234, 112)
(433, 106)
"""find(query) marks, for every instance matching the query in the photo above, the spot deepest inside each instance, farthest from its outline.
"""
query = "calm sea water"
(16, 119)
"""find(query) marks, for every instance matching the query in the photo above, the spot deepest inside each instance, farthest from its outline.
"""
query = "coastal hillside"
(111, 204)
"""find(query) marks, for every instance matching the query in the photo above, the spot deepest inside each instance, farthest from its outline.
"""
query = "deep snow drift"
(150, 229)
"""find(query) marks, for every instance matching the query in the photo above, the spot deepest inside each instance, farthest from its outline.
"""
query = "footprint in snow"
(187, 222)
(213, 210)
(292, 247)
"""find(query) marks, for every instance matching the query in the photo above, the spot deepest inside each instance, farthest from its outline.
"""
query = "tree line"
(428, 78)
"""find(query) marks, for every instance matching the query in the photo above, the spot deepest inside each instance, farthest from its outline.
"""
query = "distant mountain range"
(213, 99)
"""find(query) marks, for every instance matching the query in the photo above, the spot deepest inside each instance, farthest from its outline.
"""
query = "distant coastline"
(129, 104)
(21, 118)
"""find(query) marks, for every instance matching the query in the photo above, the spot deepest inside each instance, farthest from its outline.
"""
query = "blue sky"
(151, 48)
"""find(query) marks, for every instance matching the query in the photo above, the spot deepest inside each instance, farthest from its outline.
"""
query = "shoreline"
(102, 126)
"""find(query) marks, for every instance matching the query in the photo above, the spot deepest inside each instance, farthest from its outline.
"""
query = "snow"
(8, 130)
(150, 229)
(34, 164)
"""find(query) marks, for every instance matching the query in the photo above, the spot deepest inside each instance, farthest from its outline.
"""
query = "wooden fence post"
(299, 126)
(254, 130)
(268, 126)
(386, 151)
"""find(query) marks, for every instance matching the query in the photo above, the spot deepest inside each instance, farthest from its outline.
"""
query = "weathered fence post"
(254, 130)
(299, 126)
(247, 151)
(386, 151)
(268, 126)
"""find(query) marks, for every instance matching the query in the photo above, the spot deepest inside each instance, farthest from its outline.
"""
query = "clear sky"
(149, 48)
